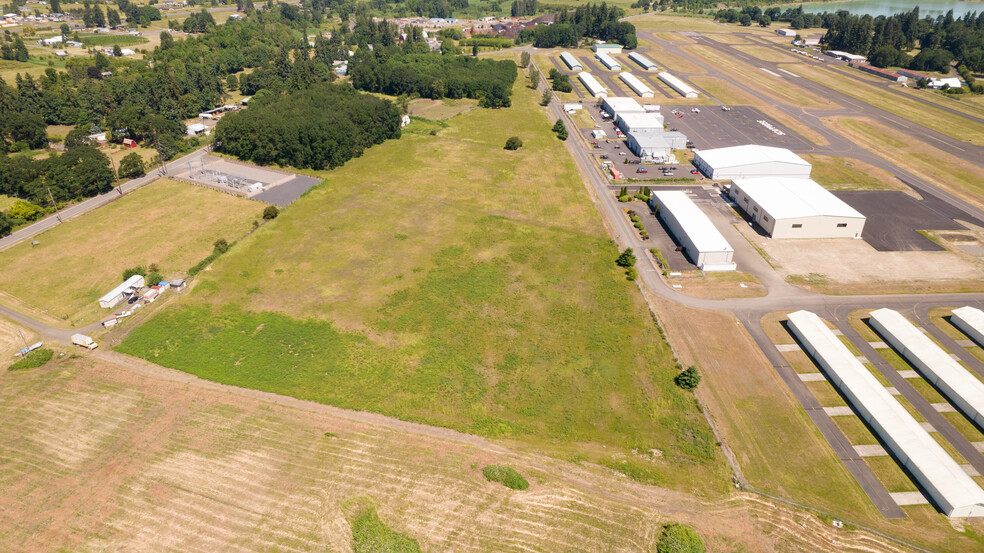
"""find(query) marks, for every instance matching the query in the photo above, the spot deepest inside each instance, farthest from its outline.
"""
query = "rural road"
(95, 202)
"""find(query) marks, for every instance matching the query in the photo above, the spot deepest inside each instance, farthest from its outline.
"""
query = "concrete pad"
(788, 347)
(812, 377)
(878, 345)
(909, 498)
(870, 450)
(970, 470)
(893, 391)
(979, 446)
(837, 332)
(927, 427)
(954, 357)
(943, 408)
(840, 411)
(862, 359)
(965, 343)
(909, 374)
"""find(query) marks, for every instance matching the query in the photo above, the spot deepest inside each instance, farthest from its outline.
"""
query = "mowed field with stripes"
(96, 457)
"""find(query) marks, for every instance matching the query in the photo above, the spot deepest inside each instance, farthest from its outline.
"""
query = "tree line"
(598, 21)
(319, 127)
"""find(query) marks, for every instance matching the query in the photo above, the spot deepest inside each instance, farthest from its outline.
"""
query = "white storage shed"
(971, 321)
(592, 85)
(796, 208)
(636, 85)
(611, 63)
(570, 61)
(640, 123)
(607, 47)
(645, 62)
(750, 161)
(962, 388)
(116, 295)
(676, 84)
(953, 491)
(701, 240)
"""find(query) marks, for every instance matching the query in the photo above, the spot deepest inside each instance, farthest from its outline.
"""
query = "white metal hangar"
(700, 239)
(636, 85)
(645, 62)
(651, 147)
(681, 87)
(796, 208)
(640, 123)
(961, 387)
(592, 85)
(611, 63)
(971, 321)
(749, 161)
(617, 105)
(953, 491)
(570, 61)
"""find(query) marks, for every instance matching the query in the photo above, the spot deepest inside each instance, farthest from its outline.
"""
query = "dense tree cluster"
(432, 75)
(78, 173)
(520, 8)
(598, 21)
(318, 127)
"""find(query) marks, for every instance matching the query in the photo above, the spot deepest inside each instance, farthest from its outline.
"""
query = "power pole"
(23, 339)
(52, 198)
(116, 175)
(160, 155)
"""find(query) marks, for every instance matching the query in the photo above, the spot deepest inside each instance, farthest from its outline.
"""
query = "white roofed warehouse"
(650, 147)
(751, 161)
(944, 481)
(796, 208)
(636, 85)
(617, 105)
(701, 240)
(592, 85)
(640, 123)
(571, 62)
(645, 62)
(611, 63)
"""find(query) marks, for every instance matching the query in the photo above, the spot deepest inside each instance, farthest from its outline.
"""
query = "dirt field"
(116, 460)
(169, 223)
(858, 262)
(11, 342)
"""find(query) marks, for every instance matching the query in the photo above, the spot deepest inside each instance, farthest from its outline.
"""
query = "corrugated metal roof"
(642, 60)
(641, 121)
(132, 281)
(699, 228)
(592, 84)
(791, 198)
(734, 156)
(955, 492)
(608, 61)
(622, 104)
(635, 84)
(961, 387)
(570, 60)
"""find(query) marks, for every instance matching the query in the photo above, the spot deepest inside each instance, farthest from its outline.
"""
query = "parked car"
(694, 172)
(621, 153)
(642, 170)
(668, 174)
(133, 299)
(603, 156)
(695, 110)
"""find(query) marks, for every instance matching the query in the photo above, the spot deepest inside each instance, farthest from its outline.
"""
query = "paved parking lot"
(715, 128)
(893, 219)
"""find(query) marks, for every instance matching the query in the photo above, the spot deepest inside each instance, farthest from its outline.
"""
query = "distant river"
(891, 7)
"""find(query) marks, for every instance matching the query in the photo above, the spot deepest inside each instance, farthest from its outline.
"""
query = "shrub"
(677, 538)
(138, 270)
(631, 273)
(221, 245)
(624, 199)
(626, 258)
(688, 379)
(514, 143)
(639, 225)
(32, 360)
(634, 218)
(270, 212)
(506, 476)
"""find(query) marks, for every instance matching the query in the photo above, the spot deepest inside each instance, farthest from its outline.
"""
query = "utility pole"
(160, 156)
(23, 339)
(116, 175)
(52, 198)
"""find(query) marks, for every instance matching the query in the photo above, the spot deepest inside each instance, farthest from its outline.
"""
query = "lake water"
(891, 7)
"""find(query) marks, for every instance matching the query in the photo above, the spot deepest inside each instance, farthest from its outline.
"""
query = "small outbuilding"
(606, 47)
(701, 240)
(796, 208)
(196, 129)
(116, 295)
(750, 161)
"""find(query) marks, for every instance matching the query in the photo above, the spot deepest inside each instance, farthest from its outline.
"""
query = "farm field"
(169, 223)
(473, 288)
(101, 454)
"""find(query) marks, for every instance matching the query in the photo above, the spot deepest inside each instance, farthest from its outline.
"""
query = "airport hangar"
(701, 240)
(796, 208)
(749, 161)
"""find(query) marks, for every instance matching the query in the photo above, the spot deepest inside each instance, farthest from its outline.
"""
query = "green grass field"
(169, 223)
(112, 40)
(841, 173)
(445, 280)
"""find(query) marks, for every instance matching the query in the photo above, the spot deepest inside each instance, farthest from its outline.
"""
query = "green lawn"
(442, 279)
(112, 40)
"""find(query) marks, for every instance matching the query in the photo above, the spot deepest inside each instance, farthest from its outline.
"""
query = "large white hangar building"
(701, 240)
(749, 161)
(796, 208)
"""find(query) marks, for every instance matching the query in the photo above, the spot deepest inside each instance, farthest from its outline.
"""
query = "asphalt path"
(95, 202)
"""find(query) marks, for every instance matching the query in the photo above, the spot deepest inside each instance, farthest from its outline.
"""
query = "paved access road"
(95, 202)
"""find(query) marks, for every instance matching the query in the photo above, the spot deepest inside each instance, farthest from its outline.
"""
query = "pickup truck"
(84, 341)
